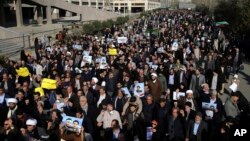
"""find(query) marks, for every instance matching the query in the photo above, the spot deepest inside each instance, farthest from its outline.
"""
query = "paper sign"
(87, 59)
(103, 63)
(177, 96)
(175, 46)
(149, 133)
(59, 105)
(209, 106)
(72, 123)
(85, 53)
(23, 71)
(160, 50)
(233, 87)
(112, 51)
(48, 83)
(139, 89)
(78, 47)
(122, 40)
(150, 64)
(125, 91)
(39, 90)
(154, 67)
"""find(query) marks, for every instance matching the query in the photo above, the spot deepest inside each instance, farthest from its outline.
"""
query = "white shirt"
(2, 98)
(171, 79)
(77, 85)
(102, 97)
(107, 118)
(214, 82)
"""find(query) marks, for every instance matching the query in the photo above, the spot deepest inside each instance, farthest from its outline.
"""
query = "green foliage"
(236, 13)
(96, 27)
(203, 9)
(2, 60)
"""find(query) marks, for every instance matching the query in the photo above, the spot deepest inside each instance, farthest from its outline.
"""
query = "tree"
(236, 13)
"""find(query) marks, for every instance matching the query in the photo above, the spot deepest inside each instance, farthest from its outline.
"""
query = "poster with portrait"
(126, 92)
(177, 95)
(72, 123)
(122, 40)
(175, 46)
(209, 106)
(139, 89)
(103, 63)
(87, 59)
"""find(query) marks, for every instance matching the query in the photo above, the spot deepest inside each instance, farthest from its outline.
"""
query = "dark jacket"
(175, 128)
(201, 133)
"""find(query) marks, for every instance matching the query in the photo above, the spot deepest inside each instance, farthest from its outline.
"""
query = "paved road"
(244, 77)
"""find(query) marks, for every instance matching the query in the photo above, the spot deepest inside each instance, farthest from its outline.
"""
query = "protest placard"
(126, 92)
(209, 106)
(139, 89)
(78, 47)
(48, 83)
(72, 123)
(87, 59)
(122, 40)
(39, 90)
(112, 51)
(177, 95)
(23, 72)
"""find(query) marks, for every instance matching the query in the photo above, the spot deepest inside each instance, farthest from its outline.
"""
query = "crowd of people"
(181, 57)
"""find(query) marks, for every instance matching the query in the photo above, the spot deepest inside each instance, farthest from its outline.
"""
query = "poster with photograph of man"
(103, 63)
(87, 59)
(126, 92)
(209, 106)
(177, 95)
(139, 89)
(72, 123)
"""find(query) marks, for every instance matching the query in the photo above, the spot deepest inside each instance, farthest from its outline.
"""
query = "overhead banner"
(48, 83)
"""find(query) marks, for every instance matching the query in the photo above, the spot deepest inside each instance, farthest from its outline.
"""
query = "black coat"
(176, 129)
(201, 133)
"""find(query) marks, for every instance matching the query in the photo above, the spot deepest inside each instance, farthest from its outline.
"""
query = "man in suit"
(172, 81)
(213, 116)
(188, 114)
(8, 84)
(197, 129)
(3, 96)
(196, 81)
(182, 76)
(175, 127)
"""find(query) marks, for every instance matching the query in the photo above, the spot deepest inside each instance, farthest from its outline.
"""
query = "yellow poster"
(23, 72)
(48, 83)
(112, 51)
(39, 90)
